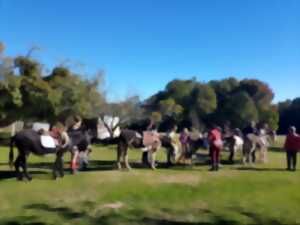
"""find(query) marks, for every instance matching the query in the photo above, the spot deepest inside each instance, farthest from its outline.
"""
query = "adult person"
(184, 139)
(75, 130)
(63, 142)
(292, 146)
(251, 129)
(171, 134)
(151, 128)
(215, 147)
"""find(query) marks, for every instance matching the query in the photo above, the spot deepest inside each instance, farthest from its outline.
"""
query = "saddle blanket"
(38, 126)
(149, 138)
(48, 141)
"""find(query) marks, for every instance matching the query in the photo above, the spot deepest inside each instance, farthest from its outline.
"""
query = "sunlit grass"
(260, 194)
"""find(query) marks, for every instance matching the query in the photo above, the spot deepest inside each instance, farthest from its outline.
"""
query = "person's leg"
(169, 157)
(145, 158)
(254, 155)
(213, 158)
(294, 160)
(218, 152)
(288, 160)
(231, 155)
(75, 155)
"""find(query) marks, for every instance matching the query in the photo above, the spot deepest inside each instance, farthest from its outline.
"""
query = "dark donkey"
(131, 138)
(28, 141)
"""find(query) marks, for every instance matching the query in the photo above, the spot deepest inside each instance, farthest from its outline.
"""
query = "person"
(250, 129)
(151, 128)
(247, 132)
(63, 143)
(292, 146)
(171, 133)
(215, 147)
(75, 129)
(184, 139)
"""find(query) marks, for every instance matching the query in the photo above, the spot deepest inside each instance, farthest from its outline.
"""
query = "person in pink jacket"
(215, 147)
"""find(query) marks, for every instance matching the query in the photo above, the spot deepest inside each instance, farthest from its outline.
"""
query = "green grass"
(262, 194)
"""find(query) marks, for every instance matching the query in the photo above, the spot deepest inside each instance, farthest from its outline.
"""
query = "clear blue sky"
(143, 44)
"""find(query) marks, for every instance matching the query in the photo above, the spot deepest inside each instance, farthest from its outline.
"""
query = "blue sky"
(143, 44)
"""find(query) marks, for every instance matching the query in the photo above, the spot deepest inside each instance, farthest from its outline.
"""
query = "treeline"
(28, 93)
(200, 104)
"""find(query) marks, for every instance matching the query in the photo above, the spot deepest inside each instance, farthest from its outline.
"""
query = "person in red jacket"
(215, 147)
(292, 146)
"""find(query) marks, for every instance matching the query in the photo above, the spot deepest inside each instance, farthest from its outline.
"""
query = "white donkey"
(261, 142)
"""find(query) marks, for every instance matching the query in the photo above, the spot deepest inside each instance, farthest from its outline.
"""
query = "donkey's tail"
(11, 152)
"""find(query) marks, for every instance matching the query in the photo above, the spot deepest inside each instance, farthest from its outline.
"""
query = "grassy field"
(261, 194)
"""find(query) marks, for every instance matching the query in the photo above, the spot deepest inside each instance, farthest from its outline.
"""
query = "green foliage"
(203, 99)
(30, 95)
(270, 116)
(231, 100)
(240, 109)
(73, 95)
(289, 115)
(168, 107)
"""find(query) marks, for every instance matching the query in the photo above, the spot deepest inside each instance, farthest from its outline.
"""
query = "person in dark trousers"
(292, 146)
(215, 147)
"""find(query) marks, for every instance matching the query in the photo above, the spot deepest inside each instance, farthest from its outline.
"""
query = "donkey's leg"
(152, 159)
(24, 166)
(119, 155)
(245, 150)
(125, 158)
(17, 168)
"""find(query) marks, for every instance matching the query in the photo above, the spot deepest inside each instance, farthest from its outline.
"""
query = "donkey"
(29, 141)
(131, 138)
(260, 141)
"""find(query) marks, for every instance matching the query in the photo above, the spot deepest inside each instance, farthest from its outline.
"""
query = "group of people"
(217, 139)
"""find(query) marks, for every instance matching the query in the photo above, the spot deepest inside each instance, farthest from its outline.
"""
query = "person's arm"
(65, 139)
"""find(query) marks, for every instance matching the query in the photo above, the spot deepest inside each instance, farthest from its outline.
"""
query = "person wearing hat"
(292, 146)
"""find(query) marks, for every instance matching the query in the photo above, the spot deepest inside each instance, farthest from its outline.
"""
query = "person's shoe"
(288, 169)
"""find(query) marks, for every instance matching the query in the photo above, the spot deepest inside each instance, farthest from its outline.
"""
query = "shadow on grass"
(276, 149)
(8, 174)
(259, 169)
(138, 216)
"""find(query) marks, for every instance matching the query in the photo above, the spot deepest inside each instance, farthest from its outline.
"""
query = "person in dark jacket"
(250, 129)
(292, 146)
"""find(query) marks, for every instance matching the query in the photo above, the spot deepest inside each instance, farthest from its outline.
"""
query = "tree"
(289, 115)
(224, 88)
(239, 109)
(169, 107)
(73, 95)
(180, 90)
(259, 91)
(37, 95)
(204, 100)
(270, 116)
